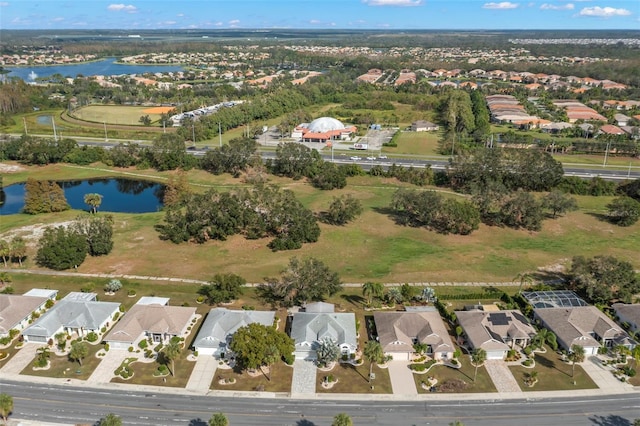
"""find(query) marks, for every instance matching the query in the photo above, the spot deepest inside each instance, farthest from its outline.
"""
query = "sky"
(320, 14)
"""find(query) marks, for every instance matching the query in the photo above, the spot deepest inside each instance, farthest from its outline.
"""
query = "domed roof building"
(322, 130)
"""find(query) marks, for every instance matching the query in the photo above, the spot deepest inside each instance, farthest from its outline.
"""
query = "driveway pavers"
(304, 377)
(110, 362)
(21, 359)
(501, 376)
(603, 377)
(401, 376)
(203, 373)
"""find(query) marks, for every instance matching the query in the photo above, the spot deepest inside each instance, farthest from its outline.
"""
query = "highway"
(70, 404)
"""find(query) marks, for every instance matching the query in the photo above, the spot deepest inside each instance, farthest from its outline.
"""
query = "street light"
(606, 152)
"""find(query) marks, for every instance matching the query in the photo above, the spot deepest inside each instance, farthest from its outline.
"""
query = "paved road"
(71, 404)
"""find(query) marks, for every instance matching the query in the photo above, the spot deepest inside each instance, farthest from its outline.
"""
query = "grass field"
(117, 114)
(416, 143)
(372, 247)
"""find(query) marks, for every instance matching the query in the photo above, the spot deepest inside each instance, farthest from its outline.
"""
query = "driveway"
(402, 381)
(110, 362)
(203, 373)
(304, 377)
(501, 376)
(21, 359)
(602, 376)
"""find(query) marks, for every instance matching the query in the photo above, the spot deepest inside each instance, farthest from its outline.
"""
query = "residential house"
(16, 311)
(423, 126)
(319, 322)
(495, 332)
(585, 326)
(399, 331)
(218, 328)
(621, 119)
(628, 313)
(158, 322)
(77, 314)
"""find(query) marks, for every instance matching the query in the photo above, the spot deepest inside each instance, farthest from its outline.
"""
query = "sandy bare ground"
(31, 233)
(10, 168)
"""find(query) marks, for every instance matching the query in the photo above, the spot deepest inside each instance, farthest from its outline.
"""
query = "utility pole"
(220, 133)
(606, 152)
(106, 138)
(24, 120)
(193, 132)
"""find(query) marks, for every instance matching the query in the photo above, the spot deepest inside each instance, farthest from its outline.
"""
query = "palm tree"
(93, 201)
(374, 354)
(78, 351)
(523, 278)
(342, 419)
(5, 251)
(43, 356)
(271, 356)
(371, 290)
(18, 249)
(576, 355)
(545, 336)
(478, 356)
(6, 406)
(218, 419)
(171, 352)
(110, 420)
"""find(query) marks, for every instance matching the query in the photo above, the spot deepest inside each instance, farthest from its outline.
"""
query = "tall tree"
(576, 354)
(171, 352)
(98, 230)
(303, 281)
(177, 189)
(110, 420)
(604, 278)
(61, 248)
(79, 351)
(5, 251)
(624, 211)
(254, 345)
(342, 419)
(372, 289)
(545, 336)
(223, 288)
(559, 203)
(478, 357)
(6, 406)
(295, 160)
(93, 201)
(18, 249)
(218, 419)
(43, 197)
(343, 209)
(374, 354)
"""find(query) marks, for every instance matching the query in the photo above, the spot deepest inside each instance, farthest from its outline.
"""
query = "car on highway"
(356, 158)
(382, 157)
(371, 158)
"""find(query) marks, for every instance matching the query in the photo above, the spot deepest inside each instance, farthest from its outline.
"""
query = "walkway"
(203, 373)
(304, 377)
(104, 372)
(21, 359)
(401, 376)
(603, 377)
(501, 376)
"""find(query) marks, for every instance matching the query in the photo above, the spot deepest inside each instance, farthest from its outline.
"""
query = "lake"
(104, 67)
(119, 195)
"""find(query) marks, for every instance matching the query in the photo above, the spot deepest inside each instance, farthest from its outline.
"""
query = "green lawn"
(416, 143)
(281, 376)
(63, 367)
(354, 379)
(553, 374)
(463, 375)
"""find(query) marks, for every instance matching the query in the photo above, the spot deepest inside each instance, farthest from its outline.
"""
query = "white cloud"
(122, 8)
(501, 5)
(547, 6)
(403, 3)
(218, 24)
(168, 23)
(234, 22)
(604, 12)
(315, 22)
(180, 15)
(4, 3)
(59, 19)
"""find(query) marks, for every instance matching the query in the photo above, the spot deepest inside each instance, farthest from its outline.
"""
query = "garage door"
(307, 355)
(495, 354)
(400, 356)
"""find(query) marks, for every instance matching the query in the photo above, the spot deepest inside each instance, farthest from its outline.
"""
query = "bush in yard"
(113, 286)
(92, 337)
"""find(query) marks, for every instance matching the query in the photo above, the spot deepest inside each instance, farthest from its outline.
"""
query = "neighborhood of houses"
(40, 317)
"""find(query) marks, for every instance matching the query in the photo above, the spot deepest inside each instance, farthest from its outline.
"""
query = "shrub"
(527, 362)
(106, 347)
(130, 349)
(113, 286)
(131, 292)
(289, 359)
(143, 344)
(418, 367)
(48, 304)
(527, 350)
(92, 337)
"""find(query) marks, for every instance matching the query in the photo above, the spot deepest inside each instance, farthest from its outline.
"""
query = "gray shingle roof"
(396, 331)
(307, 329)
(15, 308)
(482, 333)
(156, 319)
(221, 323)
